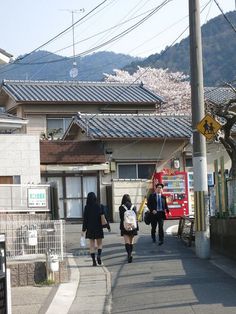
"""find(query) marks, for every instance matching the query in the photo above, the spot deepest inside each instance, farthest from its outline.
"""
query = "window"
(72, 193)
(145, 171)
(136, 171)
(127, 171)
(56, 127)
(188, 162)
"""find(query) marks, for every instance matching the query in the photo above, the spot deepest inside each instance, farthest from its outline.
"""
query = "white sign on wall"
(37, 197)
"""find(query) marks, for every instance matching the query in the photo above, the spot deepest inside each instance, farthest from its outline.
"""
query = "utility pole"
(202, 232)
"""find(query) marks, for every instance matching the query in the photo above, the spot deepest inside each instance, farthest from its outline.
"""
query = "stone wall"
(34, 273)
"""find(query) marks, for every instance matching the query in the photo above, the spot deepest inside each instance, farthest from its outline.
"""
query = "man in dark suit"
(158, 207)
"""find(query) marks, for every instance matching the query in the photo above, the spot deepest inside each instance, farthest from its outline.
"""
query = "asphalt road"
(165, 279)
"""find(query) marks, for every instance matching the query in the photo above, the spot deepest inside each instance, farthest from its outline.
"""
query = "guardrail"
(186, 230)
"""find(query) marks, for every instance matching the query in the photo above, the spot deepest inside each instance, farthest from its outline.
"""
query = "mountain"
(43, 65)
(218, 45)
(218, 42)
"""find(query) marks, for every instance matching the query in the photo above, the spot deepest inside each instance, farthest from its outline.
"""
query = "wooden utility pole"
(202, 233)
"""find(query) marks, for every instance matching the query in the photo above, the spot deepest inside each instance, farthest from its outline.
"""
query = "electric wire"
(152, 12)
(62, 32)
(226, 18)
(116, 37)
(123, 19)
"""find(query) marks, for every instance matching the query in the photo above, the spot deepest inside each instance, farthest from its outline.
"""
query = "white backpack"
(130, 219)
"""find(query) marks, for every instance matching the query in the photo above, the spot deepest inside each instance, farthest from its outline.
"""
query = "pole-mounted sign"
(208, 126)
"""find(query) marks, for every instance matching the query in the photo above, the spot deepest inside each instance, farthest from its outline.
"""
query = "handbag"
(103, 221)
(147, 217)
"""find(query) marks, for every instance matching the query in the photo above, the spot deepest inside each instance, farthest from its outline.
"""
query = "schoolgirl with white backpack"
(128, 224)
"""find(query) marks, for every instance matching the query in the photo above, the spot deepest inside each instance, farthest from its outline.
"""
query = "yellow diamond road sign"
(208, 126)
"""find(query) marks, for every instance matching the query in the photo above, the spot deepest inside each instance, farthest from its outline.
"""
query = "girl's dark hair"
(125, 199)
(91, 198)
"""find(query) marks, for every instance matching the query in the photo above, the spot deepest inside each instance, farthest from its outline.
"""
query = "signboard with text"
(37, 197)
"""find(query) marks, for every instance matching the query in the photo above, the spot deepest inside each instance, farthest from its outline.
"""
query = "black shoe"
(99, 260)
(160, 242)
(154, 240)
(130, 259)
(94, 263)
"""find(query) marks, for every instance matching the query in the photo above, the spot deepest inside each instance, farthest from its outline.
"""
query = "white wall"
(137, 189)
(20, 156)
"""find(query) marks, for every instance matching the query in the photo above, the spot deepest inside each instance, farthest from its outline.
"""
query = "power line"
(120, 35)
(222, 12)
(65, 30)
(97, 34)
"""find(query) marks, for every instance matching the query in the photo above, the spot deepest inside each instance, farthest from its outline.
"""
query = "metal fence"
(32, 240)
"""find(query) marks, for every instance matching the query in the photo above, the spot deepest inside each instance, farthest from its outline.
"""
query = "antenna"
(74, 70)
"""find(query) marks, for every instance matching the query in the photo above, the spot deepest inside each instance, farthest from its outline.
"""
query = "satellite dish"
(74, 72)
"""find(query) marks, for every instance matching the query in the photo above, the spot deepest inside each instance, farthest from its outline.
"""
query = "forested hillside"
(219, 46)
(43, 65)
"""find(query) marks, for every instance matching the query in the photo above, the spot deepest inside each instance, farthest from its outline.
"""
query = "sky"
(27, 25)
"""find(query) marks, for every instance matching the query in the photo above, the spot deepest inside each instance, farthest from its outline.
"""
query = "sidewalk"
(89, 289)
(93, 295)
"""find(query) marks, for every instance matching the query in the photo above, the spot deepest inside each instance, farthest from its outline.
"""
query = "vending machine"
(190, 194)
(176, 191)
(210, 180)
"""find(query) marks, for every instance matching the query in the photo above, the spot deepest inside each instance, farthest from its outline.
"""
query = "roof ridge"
(134, 114)
(43, 82)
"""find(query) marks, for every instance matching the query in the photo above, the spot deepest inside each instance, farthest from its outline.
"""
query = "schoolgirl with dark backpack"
(128, 224)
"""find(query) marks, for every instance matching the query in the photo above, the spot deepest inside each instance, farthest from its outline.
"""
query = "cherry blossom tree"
(173, 87)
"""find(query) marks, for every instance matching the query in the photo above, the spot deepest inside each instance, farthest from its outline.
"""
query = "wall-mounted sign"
(37, 197)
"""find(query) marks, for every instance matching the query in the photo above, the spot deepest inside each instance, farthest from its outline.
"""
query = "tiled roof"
(57, 91)
(9, 123)
(219, 95)
(7, 54)
(10, 117)
(133, 126)
(67, 152)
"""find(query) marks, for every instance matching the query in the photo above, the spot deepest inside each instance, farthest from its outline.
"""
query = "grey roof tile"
(57, 91)
(219, 95)
(120, 126)
(7, 116)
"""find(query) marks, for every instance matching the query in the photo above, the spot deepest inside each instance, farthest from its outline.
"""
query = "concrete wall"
(137, 190)
(36, 125)
(223, 236)
(20, 157)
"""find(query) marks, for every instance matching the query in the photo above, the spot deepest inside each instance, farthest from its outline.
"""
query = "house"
(136, 145)
(50, 106)
(112, 146)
